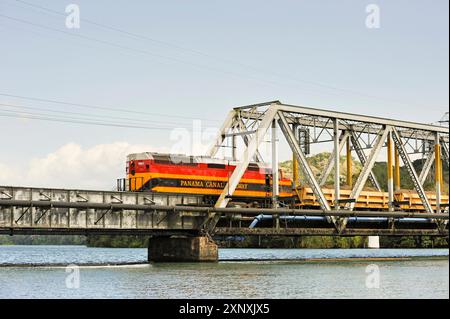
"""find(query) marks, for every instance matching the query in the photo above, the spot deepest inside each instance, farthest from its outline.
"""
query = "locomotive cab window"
(253, 168)
(217, 166)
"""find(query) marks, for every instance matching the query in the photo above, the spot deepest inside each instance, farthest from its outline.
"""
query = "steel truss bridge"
(57, 211)
(365, 136)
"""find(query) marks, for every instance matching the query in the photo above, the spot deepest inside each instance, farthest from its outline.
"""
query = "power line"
(104, 108)
(45, 117)
(87, 115)
(145, 52)
(64, 117)
(165, 43)
(125, 32)
(193, 64)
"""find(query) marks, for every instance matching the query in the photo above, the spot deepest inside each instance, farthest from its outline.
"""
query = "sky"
(168, 64)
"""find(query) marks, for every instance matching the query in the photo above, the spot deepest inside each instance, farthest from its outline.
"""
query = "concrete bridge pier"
(374, 242)
(182, 249)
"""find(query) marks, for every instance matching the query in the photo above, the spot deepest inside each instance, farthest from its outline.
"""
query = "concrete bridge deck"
(58, 211)
(65, 211)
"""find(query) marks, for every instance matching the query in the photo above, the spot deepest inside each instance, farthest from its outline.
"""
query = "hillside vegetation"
(318, 163)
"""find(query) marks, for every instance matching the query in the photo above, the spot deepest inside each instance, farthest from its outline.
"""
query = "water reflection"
(293, 278)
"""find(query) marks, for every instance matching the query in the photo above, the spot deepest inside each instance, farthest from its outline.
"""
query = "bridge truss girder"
(331, 162)
(366, 134)
(363, 159)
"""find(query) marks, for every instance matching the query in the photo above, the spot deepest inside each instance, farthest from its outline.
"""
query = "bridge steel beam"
(240, 169)
(368, 166)
(275, 167)
(390, 171)
(226, 126)
(243, 129)
(202, 210)
(295, 165)
(331, 161)
(363, 159)
(411, 170)
(397, 171)
(249, 153)
(426, 168)
(301, 157)
(234, 147)
(426, 135)
(445, 151)
(438, 172)
(337, 159)
(349, 161)
(296, 109)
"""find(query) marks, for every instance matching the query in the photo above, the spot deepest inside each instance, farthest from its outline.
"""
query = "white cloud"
(73, 166)
(99, 166)
(6, 173)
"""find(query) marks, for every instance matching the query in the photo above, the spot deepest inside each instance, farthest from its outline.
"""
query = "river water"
(40, 272)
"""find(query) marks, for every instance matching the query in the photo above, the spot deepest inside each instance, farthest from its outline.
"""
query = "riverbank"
(308, 242)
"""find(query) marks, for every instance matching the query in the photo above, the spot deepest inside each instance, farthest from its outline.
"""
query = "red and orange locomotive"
(179, 174)
(208, 177)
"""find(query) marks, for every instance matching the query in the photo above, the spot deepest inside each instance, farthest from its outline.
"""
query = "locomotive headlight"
(133, 168)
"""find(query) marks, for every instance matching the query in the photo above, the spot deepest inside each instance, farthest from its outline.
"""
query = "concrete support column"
(374, 242)
(182, 249)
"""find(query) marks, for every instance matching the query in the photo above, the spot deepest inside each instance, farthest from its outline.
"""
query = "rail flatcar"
(405, 200)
